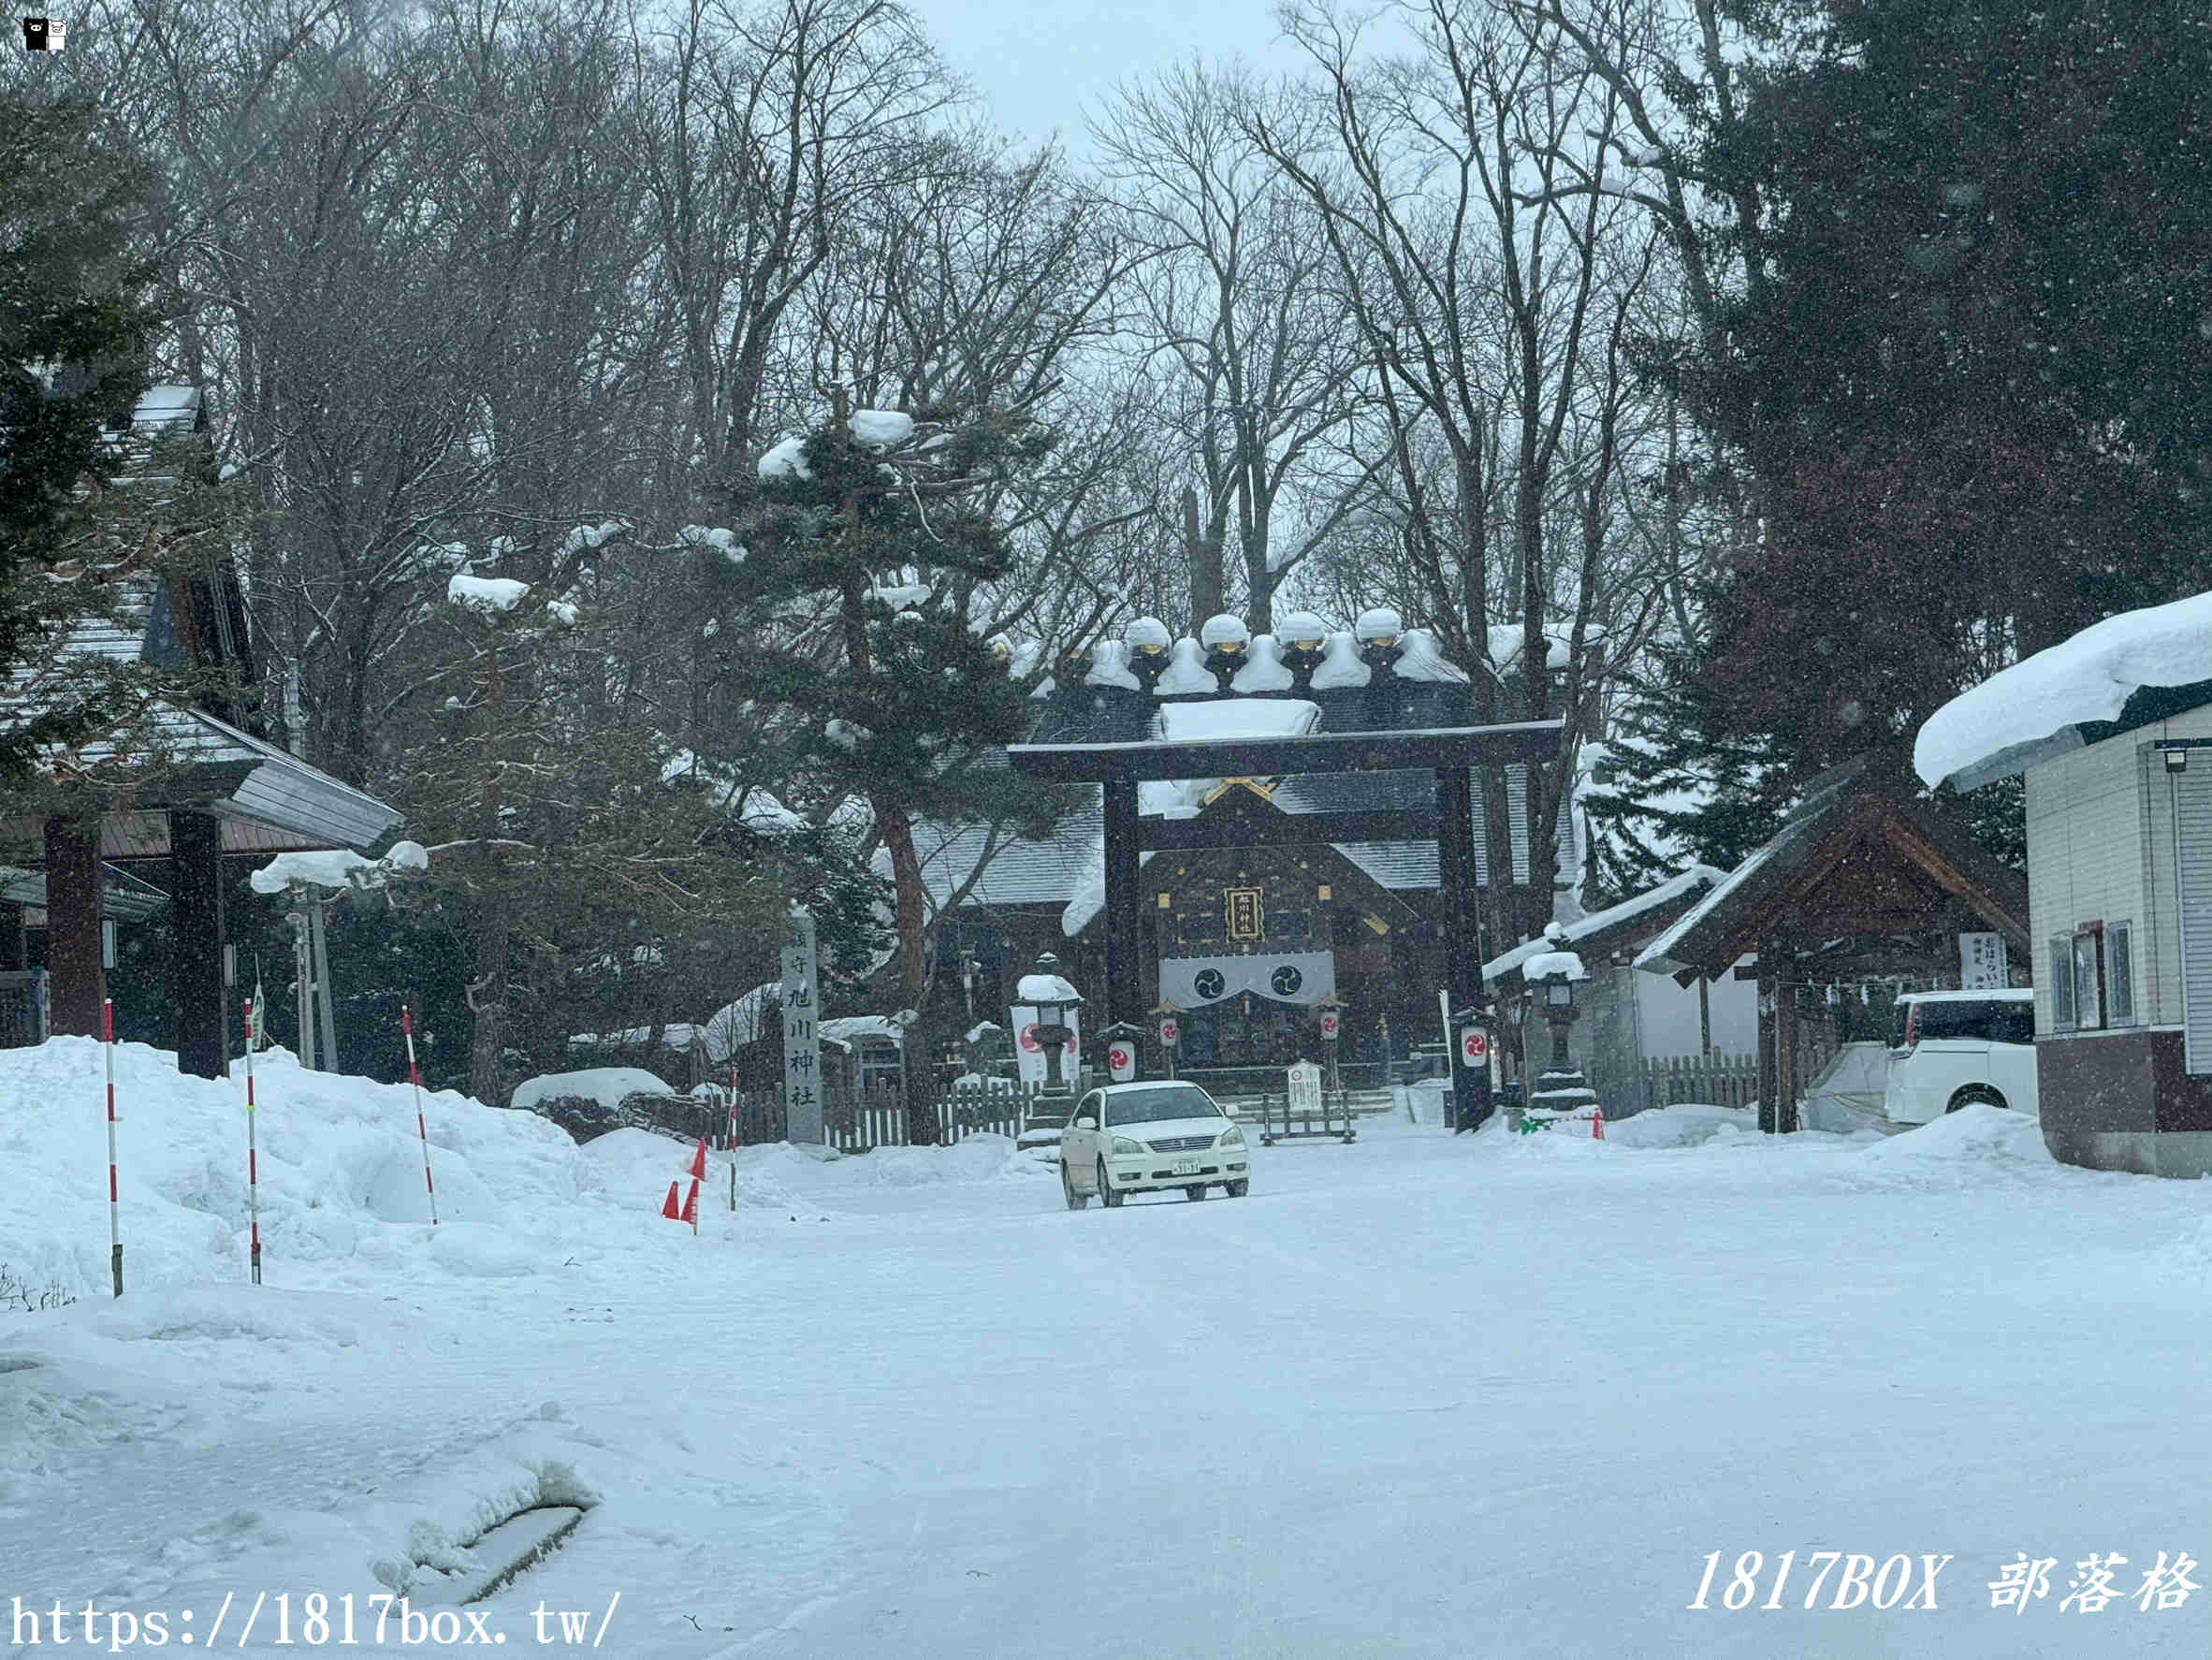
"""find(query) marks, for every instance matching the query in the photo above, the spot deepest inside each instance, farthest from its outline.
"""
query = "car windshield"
(1152, 1106)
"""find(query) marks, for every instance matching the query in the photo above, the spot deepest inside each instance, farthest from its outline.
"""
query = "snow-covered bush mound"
(608, 1085)
(1683, 1126)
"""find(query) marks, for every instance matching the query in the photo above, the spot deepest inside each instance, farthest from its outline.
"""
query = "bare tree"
(1472, 282)
(1238, 296)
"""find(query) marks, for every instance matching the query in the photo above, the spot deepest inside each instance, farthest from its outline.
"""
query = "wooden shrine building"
(1864, 881)
(219, 787)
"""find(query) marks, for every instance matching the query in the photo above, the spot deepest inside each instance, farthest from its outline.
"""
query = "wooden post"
(1463, 945)
(1124, 949)
(79, 982)
(1770, 1007)
(1788, 1039)
(195, 967)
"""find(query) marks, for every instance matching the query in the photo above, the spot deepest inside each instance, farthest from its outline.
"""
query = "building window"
(2119, 976)
(2089, 1002)
(2063, 982)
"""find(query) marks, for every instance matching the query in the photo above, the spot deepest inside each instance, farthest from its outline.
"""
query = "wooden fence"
(1714, 1081)
(856, 1123)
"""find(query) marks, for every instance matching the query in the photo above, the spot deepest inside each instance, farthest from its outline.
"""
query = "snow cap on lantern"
(1301, 638)
(1224, 632)
(1378, 629)
(1148, 635)
(1145, 649)
(1225, 639)
(1379, 626)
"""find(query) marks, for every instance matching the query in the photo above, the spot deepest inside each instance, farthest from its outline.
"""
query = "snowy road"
(1415, 1397)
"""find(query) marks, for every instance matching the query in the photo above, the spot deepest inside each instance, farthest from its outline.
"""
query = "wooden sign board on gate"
(1303, 1091)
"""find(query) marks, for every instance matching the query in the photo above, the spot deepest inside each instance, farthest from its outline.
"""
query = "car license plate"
(1186, 1167)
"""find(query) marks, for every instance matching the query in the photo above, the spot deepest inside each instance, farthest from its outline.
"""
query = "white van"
(1950, 1048)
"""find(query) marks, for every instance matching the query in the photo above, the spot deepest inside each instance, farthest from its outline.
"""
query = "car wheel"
(1107, 1196)
(1238, 1189)
(1075, 1201)
(1197, 1190)
(1976, 1093)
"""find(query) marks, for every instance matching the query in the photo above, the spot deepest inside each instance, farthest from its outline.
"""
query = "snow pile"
(1263, 670)
(1186, 671)
(1045, 988)
(630, 1166)
(1236, 717)
(2190, 1257)
(1688, 1124)
(485, 594)
(1961, 1149)
(1341, 665)
(2087, 678)
(879, 429)
(340, 1170)
(340, 869)
(787, 458)
(606, 1085)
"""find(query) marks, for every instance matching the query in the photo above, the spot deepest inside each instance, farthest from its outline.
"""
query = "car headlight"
(1231, 1137)
(1122, 1144)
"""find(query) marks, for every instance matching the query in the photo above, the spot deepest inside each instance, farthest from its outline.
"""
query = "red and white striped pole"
(415, 1077)
(252, 1154)
(114, 1193)
(733, 1137)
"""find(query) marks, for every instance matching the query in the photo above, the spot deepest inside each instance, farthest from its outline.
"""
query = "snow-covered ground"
(1417, 1396)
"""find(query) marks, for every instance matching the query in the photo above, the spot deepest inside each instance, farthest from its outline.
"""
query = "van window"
(1992, 1022)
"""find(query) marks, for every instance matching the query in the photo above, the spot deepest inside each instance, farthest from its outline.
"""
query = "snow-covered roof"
(853, 1028)
(676, 1034)
(339, 869)
(733, 1026)
(2032, 710)
(1545, 965)
(1694, 880)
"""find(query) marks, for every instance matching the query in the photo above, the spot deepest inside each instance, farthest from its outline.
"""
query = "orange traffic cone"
(691, 1210)
(672, 1210)
(698, 1171)
(1597, 1125)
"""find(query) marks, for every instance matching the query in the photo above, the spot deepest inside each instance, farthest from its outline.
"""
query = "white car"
(1950, 1048)
(1141, 1138)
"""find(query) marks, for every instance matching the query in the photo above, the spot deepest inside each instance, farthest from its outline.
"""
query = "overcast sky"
(1038, 67)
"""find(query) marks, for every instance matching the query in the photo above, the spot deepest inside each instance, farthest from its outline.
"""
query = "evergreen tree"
(1972, 400)
(557, 839)
(865, 558)
(78, 311)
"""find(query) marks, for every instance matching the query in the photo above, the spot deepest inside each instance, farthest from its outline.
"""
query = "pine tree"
(867, 554)
(1970, 402)
(557, 838)
(77, 313)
